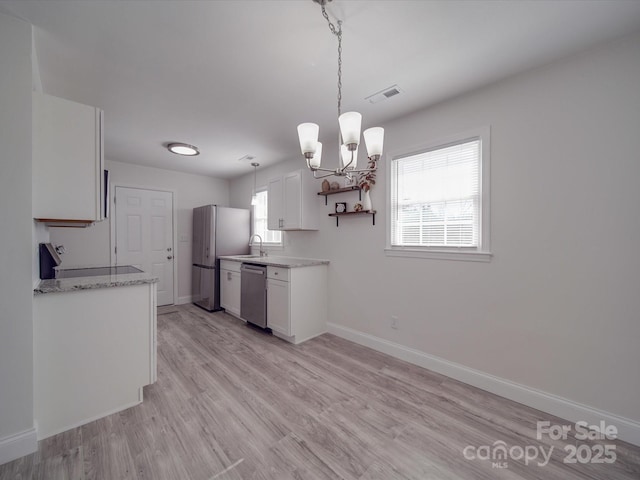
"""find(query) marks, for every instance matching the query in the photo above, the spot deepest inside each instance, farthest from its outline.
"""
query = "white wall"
(557, 307)
(16, 294)
(92, 246)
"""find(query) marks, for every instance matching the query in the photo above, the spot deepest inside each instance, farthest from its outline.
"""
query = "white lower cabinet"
(230, 287)
(94, 350)
(278, 318)
(297, 302)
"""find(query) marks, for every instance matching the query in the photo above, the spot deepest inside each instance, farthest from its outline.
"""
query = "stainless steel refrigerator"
(217, 231)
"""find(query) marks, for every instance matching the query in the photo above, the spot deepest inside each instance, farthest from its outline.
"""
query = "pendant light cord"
(338, 33)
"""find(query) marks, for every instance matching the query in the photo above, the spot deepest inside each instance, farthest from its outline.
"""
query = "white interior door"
(144, 235)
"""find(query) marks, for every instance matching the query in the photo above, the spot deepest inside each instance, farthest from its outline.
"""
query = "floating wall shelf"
(341, 190)
(364, 212)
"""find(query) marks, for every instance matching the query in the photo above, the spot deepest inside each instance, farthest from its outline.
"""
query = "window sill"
(439, 254)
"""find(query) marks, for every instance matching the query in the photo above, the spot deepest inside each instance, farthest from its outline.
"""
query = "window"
(269, 237)
(440, 199)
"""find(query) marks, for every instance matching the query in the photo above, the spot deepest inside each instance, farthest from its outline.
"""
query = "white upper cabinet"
(275, 206)
(68, 161)
(293, 202)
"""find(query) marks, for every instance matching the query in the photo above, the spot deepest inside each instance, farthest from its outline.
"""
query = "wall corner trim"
(18, 445)
(628, 430)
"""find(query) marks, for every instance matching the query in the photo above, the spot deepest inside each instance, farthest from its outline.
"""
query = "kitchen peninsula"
(94, 345)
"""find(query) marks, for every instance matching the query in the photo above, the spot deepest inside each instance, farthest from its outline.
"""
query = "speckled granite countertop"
(275, 261)
(87, 283)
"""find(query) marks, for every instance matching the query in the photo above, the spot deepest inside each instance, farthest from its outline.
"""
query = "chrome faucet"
(262, 252)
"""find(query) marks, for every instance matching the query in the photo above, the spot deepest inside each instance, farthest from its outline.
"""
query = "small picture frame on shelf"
(341, 207)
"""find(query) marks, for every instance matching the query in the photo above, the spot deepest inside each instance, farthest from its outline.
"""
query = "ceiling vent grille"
(388, 92)
(247, 158)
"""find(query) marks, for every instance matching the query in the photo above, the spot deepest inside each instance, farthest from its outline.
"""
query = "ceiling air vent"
(388, 92)
(247, 158)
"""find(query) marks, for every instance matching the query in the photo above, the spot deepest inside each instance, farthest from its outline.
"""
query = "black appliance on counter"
(49, 259)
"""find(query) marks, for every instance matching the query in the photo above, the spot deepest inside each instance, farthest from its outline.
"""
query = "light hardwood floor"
(234, 403)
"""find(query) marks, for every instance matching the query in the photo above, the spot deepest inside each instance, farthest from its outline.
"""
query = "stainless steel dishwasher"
(253, 294)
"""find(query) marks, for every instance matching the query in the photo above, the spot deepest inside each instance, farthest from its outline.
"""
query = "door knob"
(169, 257)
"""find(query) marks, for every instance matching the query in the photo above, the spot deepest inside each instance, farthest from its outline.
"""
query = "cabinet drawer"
(278, 273)
(230, 265)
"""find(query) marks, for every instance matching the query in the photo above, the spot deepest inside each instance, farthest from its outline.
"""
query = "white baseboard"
(628, 430)
(42, 434)
(183, 300)
(18, 445)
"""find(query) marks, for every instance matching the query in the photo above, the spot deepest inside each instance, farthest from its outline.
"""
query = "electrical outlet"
(395, 323)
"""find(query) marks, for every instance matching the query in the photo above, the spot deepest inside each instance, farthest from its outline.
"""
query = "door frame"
(174, 226)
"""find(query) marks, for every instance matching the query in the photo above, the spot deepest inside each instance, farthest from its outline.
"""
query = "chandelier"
(350, 124)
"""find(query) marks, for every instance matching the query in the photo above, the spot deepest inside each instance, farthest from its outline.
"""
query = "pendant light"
(254, 197)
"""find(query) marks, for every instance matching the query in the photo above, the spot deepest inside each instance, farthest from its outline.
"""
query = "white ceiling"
(236, 77)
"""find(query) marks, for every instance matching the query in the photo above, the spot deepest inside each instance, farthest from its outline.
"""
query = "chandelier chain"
(338, 33)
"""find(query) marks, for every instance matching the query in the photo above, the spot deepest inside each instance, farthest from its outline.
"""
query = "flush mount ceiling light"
(349, 136)
(183, 149)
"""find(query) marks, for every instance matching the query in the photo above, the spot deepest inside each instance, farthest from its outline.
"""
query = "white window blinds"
(436, 198)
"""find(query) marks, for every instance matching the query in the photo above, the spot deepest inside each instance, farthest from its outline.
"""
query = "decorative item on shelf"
(350, 181)
(325, 185)
(349, 122)
(365, 181)
(357, 207)
(366, 202)
(341, 207)
(335, 186)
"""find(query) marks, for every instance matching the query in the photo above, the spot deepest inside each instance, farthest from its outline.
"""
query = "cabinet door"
(230, 291)
(278, 312)
(292, 200)
(225, 289)
(68, 179)
(275, 204)
(234, 300)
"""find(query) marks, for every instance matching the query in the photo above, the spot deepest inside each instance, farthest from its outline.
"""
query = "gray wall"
(16, 327)
(557, 307)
